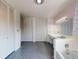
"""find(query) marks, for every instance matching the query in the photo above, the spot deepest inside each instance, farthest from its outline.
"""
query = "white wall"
(34, 29)
(41, 30)
(74, 43)
(54, 28)
(27, 29)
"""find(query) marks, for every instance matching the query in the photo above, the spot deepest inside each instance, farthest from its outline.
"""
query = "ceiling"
(47, 9)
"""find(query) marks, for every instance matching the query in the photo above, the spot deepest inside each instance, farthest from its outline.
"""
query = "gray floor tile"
(31, 50)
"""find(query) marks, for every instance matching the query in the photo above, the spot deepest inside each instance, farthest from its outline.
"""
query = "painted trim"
(9, 55)
(34, 31)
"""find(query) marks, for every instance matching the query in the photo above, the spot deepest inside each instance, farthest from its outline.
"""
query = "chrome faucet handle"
(67, 48)
(66, 45)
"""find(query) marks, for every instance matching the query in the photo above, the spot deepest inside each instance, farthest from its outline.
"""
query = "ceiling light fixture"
(39, 1)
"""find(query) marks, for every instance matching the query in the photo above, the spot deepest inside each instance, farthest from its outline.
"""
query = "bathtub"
(64, 55)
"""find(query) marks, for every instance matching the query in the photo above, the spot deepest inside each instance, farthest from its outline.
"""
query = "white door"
(3, 30)
(11, 31)
(17, 30)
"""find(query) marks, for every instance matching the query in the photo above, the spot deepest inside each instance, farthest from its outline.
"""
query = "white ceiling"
(47, 9)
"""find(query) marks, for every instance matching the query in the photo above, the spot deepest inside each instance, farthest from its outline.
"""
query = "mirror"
(66, 25)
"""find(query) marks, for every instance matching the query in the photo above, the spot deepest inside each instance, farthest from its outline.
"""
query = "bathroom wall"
(67, 11)
(27, 29)
(74, 43)
(34, 29)
(41, 29)
(53, 27)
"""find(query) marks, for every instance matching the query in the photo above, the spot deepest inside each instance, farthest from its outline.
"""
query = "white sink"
(55, 36)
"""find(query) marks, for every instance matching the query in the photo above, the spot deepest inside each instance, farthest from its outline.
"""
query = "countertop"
(60, 36)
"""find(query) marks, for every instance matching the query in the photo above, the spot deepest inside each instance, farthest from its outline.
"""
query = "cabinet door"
(3, 30)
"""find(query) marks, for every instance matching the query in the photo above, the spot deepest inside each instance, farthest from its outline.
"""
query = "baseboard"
(35, 42)
(26, 41)
(17, 48)
(9, 55)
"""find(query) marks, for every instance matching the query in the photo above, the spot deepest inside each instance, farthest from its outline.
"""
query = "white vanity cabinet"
(60, 46)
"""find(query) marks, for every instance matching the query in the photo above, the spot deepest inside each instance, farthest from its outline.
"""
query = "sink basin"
(55, 36)
(62, 37)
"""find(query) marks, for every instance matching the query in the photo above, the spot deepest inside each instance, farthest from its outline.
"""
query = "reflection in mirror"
(66, 25)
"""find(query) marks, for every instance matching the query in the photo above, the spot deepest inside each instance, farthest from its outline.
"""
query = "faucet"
(67, 49)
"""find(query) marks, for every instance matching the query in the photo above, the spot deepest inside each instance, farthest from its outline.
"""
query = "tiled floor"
(31, 50)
